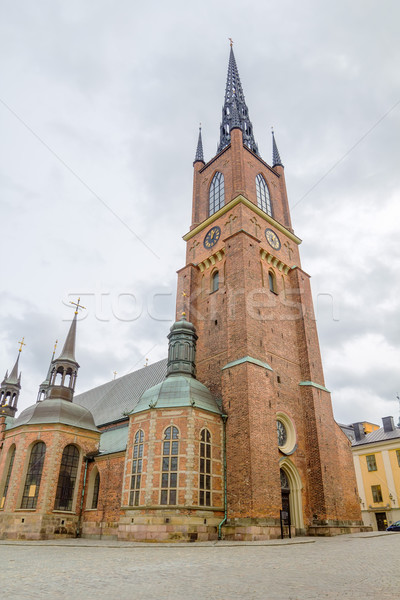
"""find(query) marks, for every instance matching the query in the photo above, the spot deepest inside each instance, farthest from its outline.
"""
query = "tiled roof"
(379, 435)
(115, 399)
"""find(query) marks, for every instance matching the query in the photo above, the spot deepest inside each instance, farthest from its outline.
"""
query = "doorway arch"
(295, 486)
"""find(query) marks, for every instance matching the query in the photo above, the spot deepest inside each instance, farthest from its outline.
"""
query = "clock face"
(273, 239)
(282, 433)
(212, 237)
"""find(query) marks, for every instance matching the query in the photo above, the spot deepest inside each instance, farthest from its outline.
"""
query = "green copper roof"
(114, 440)
(316, 385)
(248, 359)
(177, 391)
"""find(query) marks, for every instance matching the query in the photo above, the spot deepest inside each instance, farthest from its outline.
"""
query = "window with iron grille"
(137, 466)
(96, 489)
(11, 456)
(371, 462)
(376, 493)
(67, 478)
(205, 468)
(217, 193)
(263, 198)
(169, 475)
(33, 476)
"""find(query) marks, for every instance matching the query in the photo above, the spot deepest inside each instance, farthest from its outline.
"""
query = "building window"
(217, 193)
(376, 493)
(169, 475)
(215, 281)
(10, 459)
(371, 462)
(67, 478)
(272, 282)
(263, 199)
(33, 476)
(398, 457)
(96, 489)
(137, 467)
(205, 469)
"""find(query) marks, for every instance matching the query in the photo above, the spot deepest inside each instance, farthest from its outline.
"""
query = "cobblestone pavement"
(363, 565)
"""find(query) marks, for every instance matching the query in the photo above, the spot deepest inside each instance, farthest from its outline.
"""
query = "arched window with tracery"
(217, 193)
(33, 476)
(67, 478)
(205, 468)
(137, 467)
(263, 198)
(9, 466)
(169, 475)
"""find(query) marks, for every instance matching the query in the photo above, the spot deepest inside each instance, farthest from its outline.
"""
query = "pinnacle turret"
(199, 150)
(276, 159)
(235, 112)
(44, 386)
(10, 389)
(64, 369)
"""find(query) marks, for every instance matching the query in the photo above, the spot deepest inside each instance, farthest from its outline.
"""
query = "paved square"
(364, 565)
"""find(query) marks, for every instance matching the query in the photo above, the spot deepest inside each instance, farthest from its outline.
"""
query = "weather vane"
(184, 294)
(115, 374)
(231, 41)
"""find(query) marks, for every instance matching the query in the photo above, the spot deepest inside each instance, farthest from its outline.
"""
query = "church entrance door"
(285, 512)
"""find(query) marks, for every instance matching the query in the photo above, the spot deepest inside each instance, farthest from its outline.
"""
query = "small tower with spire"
(199, 157)
(11, 388)
(64, 369)
(44, 386)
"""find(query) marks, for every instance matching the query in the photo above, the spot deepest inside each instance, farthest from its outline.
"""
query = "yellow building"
(377, 464)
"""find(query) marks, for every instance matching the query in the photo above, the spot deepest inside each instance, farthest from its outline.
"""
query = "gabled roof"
(115, 399)
(380, 435)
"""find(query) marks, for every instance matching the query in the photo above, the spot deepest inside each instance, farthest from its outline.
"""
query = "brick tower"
(287, 461)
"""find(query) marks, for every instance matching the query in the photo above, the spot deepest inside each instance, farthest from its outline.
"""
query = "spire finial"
(115, 374)
(199, 150)
(21, 343)
(55, 347)
(276, 159)
(77, 305)
(234, 95)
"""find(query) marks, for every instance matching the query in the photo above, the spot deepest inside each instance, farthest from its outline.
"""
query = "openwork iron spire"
(276, 159)
(199, 151)
(235, 112)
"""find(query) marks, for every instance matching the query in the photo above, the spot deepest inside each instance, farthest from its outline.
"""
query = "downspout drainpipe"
(78, 529)
(224, 418)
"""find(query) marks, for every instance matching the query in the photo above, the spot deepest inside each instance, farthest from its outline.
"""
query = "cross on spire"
(21, 343)
(77, 305)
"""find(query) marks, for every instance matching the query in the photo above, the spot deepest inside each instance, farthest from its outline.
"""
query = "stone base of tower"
(330, 528)
(169, 525)
(31, 526)
(252, 530)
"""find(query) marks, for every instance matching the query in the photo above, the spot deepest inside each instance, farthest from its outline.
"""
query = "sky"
(100, 104)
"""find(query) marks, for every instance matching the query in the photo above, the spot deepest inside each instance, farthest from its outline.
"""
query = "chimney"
(359, 432)
(388, 424)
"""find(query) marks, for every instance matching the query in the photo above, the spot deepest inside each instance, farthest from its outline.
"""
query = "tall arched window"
(205, 468)
(10, 462)
(169, 475)
(67, 478)
(263, 199)
(33, 476)
(215, 281)
(96, 489)
(272, 282)
(137, 464)
(217, 193)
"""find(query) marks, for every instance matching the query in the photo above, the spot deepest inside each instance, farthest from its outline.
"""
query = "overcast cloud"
(99, 108)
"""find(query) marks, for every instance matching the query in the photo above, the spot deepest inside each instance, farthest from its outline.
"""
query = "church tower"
(257, 349)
